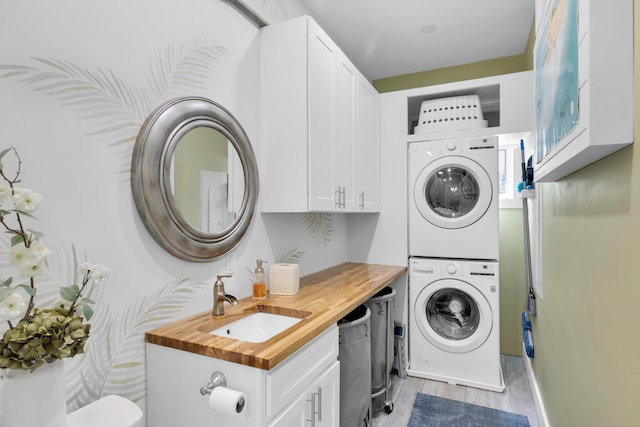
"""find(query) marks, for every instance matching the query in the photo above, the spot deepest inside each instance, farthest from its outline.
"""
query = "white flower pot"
(34, 399)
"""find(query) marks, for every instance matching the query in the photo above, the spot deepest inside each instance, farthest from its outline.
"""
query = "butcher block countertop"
(324, 298)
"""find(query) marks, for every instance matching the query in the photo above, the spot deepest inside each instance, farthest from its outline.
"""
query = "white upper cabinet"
(311, 158)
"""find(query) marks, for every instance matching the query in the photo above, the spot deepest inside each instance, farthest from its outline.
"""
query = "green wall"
(476, 70)
(512, 287)
(585, 333)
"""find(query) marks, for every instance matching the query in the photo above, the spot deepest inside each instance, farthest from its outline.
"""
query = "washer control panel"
(469, 269)
(481, 269)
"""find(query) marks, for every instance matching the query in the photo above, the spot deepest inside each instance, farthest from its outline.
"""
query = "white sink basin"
(256, 327)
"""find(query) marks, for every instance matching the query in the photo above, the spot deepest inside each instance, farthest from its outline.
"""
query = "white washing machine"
(453, 198)
(454, 322)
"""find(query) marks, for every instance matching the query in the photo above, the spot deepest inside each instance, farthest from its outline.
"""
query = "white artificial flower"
(5, 191)
(39, 248)
(12, 306)
(99, 273)
(26, 200)
(87, 266)
(18, 254)
(28, 260)
(31, 267)
(96, 272)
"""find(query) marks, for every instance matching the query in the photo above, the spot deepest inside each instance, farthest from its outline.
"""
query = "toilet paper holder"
(217, 380)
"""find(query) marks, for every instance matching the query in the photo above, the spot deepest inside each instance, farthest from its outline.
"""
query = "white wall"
(52, 54)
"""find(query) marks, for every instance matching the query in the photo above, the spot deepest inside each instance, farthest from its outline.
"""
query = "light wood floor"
(516, 397)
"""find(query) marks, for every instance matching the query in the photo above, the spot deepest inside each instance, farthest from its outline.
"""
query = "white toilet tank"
(110, 411)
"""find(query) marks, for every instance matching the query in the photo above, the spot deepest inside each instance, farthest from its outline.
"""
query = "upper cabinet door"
(283, 154)
(345, 141)
(322, 70)
(367, 147)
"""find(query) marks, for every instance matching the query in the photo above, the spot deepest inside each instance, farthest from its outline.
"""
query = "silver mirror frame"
(150, 181)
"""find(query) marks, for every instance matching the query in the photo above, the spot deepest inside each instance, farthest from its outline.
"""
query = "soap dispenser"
(259, 283)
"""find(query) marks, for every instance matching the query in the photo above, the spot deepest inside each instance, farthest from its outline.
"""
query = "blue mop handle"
(524, 164)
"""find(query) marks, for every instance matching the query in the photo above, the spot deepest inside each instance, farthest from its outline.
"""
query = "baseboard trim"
(535, 391)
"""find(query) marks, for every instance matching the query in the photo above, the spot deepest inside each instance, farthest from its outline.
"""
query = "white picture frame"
(601, 129)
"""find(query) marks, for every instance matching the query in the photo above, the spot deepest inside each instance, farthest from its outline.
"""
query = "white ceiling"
(385, 38)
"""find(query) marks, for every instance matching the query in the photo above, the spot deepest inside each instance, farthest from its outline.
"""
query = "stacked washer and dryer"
(454, 304)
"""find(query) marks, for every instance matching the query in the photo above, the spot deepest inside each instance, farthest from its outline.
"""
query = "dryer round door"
(453, 315)
(453, 192)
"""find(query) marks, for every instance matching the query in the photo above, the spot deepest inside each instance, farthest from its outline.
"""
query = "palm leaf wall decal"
(92, 368)
(319, 226)
(116, 360)
(116, 109)
(184, 70)
(98, 96)
(293, 256)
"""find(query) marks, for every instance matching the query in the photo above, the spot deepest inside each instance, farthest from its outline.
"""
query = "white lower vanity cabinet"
(303, 390)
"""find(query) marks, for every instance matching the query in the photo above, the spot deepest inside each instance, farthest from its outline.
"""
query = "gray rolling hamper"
(354, 354)
(382, 342)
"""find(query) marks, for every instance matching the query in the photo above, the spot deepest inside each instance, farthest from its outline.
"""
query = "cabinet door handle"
(319, 403)
(344, 198)
(362, 200)
(313, 410)
(338, 198)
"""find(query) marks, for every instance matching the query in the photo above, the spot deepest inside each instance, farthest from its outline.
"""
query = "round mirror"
(194, 178)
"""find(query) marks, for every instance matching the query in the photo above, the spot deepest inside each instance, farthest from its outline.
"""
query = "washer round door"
(453, 192)
(453, 315)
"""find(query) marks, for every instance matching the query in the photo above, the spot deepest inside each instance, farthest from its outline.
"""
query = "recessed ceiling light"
(428, 29)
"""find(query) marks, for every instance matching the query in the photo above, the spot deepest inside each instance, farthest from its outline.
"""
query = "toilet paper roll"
(228, 402)
(284, 279)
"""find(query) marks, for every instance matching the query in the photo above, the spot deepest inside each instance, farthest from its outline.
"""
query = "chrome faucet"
(219, 297)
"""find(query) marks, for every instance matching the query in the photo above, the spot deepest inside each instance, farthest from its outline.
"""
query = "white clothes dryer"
(453, 198)
(454, 322)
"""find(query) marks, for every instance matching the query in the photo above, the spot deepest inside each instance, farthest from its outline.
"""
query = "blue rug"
(432, 411)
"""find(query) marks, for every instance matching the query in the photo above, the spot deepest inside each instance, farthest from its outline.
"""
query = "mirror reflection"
(207, 180)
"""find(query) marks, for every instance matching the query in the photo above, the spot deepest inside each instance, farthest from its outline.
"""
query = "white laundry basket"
(354, 354)
(453, 113)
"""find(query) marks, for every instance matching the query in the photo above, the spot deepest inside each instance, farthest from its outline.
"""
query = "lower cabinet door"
(327, 390)
(319, 406)
(294, 415)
